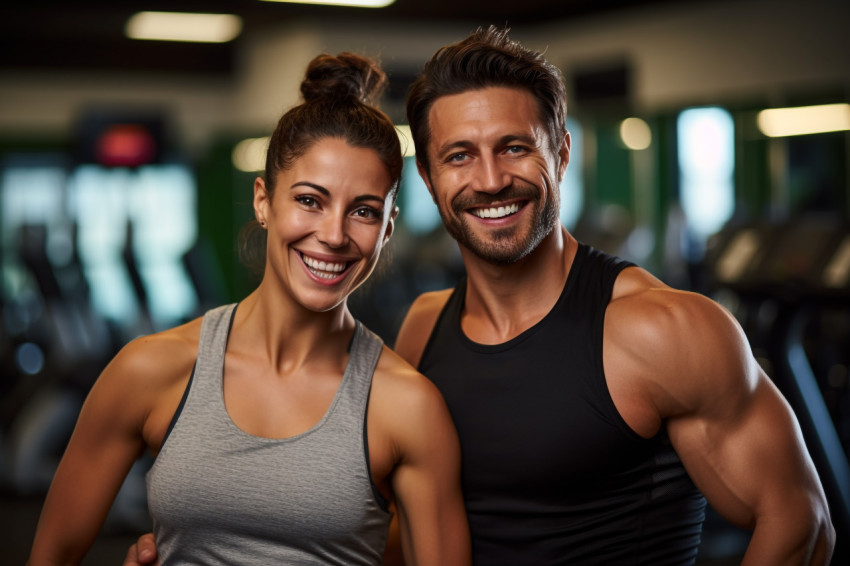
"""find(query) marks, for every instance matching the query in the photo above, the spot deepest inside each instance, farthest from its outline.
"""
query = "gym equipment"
(789, 285)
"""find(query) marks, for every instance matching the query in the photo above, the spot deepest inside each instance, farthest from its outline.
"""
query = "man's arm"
(735, 433)
(755, 470)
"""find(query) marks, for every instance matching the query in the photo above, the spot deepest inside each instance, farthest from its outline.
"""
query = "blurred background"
(710, 145)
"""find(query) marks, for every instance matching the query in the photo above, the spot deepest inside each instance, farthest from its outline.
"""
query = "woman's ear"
(390, 225)
(261, 201)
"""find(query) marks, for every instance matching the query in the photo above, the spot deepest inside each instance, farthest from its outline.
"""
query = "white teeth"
(323, 269)
(499, 212)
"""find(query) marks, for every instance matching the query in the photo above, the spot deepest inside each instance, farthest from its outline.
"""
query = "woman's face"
(327, 221)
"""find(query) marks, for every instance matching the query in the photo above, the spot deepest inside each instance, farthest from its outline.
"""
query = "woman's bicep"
(105, 443)
(426, 485)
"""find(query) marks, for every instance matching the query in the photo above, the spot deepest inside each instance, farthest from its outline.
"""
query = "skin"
(736, 435)
(284, 363)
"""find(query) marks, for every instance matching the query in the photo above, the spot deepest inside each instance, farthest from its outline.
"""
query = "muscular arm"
(426, 478)
(105, 443)
(410, 345)
(735, 433)
(112, 430)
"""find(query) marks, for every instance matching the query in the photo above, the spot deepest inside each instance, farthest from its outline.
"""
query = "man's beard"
(504, 246)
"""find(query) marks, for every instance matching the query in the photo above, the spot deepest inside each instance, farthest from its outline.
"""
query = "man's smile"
(496, 211)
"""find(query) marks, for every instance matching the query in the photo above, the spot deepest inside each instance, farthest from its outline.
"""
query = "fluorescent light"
(779, 122)
(183, 26)
(349, 3)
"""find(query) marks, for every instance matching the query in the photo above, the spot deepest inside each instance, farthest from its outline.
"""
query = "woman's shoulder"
(409, 413)
(163, 355)
(141, 386)
(405, 390)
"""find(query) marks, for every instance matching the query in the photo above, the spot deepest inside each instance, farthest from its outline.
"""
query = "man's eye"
(456, 157)
(515, 149)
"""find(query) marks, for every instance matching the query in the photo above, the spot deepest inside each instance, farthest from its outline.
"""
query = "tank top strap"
(349, 404)
(209, 365)
(590, 283)
(365, 351)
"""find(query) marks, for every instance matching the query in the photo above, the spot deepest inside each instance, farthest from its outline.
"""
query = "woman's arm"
(108, 438)
(426, 481)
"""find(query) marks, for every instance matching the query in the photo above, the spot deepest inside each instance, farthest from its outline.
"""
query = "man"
(595, 405)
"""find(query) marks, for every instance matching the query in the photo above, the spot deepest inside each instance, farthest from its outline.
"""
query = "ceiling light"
(635, 133)
(780, 122)
(406, 138)
(183, 26)
(249, 155)
(349, 3)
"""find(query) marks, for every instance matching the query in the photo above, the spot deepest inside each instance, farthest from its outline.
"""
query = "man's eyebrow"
(327, 193)
(524, 138)
(451, 146)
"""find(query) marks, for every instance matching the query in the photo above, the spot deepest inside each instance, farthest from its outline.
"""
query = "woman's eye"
(367, 212)
(307, 201)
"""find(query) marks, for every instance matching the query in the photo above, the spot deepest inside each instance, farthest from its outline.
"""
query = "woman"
(282, 428)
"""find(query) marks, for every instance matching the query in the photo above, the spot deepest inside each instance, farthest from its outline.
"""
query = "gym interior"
(126, 170)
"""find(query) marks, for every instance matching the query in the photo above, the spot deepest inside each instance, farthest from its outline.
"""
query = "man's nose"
(490, 175)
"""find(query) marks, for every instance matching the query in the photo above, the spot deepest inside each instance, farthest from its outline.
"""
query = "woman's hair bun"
(343, 77)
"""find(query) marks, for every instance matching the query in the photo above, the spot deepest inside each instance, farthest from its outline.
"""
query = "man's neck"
(502, 301)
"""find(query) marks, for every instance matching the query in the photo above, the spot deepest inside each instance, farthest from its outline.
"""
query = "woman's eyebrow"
(327, 193)
(319, 188)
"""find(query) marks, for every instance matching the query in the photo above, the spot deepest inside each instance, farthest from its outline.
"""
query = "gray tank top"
(218, 495)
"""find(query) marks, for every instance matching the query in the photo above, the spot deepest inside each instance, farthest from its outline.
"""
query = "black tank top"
(552, 474)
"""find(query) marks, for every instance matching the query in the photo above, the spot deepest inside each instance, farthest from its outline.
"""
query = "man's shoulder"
(430, 301)
(418, 324)
(640, 295)
(659, 334)
(642, 305)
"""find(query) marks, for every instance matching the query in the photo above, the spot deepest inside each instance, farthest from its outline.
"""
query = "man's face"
(494, 172)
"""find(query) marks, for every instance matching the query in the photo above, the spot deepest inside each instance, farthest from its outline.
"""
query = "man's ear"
(423, 172)
(564, 156)
(261, 201)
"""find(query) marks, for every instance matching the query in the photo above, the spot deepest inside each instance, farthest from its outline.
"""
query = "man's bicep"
(751, 462)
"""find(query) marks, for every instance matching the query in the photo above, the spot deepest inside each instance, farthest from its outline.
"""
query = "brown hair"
(340, 101)
(486, 58)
